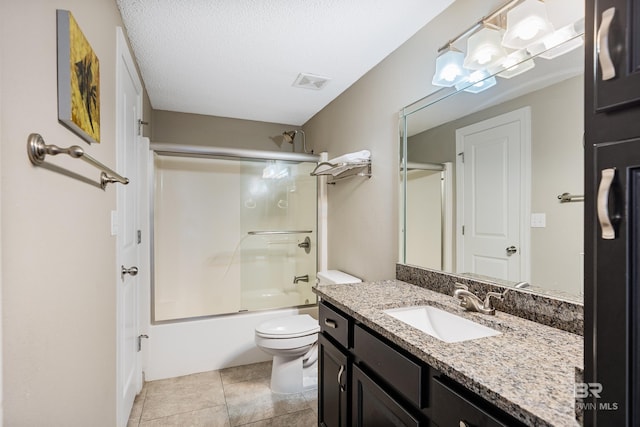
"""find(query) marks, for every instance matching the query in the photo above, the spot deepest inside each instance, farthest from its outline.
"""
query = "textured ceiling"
(240, 58)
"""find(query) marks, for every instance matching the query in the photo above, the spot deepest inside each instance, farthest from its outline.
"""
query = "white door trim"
(125, 61)
(447, 218)
(522, 115)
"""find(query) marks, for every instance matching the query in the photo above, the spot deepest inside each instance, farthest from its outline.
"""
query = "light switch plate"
(538, 220)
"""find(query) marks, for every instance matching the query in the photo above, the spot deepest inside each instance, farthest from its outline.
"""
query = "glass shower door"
(278, 216)
(231, 236)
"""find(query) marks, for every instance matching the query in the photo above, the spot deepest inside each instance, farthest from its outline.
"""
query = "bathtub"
(200, 345)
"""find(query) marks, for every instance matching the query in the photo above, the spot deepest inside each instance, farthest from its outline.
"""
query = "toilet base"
(288, 375)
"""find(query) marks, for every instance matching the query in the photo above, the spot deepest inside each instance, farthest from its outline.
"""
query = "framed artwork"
(78, 80)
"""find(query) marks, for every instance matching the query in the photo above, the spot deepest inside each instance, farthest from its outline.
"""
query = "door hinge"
(461, 156)
(140, 341)
(139, 236)
(463, 230)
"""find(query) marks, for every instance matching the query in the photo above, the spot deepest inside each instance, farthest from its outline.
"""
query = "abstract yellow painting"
(78, 80)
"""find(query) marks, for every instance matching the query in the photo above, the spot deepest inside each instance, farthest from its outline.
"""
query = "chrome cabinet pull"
(330, 323)
(511, 250)
(340, 372)
(602, 45)
(608, 232)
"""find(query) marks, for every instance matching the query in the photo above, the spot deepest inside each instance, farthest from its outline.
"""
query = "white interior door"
(493, 193)
(129, 112)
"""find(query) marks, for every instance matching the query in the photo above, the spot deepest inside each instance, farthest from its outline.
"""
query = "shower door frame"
(179, 150)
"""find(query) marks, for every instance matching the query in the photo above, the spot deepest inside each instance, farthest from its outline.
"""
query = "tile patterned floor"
(229, 397)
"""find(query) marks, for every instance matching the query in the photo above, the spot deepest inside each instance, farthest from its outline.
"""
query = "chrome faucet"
(471, 302)
(297, 279)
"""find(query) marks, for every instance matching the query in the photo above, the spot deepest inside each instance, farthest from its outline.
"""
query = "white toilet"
(293, 342)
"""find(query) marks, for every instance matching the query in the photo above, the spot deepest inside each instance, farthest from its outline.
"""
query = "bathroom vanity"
(375, 369)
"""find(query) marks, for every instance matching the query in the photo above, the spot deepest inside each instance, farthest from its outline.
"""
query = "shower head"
(289, 136)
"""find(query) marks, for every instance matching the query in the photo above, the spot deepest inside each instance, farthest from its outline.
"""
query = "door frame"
(124, 61)
(522, 115)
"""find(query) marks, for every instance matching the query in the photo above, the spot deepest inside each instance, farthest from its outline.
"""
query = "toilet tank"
(335, 277)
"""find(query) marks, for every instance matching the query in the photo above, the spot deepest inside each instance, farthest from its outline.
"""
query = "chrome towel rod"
(264, 233)
(568, 197)
(38, 151)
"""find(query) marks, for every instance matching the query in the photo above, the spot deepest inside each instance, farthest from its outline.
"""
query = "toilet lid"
(288, 327)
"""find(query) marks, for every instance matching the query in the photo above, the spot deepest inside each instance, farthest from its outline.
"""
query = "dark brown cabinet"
(612, 72)
(612, 214)
(373, 406)
(334, 370)
(367, 381)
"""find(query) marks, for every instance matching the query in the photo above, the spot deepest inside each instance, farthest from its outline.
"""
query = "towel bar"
(37, 151)
(568, 197)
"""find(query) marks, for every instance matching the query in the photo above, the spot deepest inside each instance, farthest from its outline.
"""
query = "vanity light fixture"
(477, 82)
(514, 64)
(567, 16)
(527, 24)
(484, 49)
(530, 31)
(449, 68)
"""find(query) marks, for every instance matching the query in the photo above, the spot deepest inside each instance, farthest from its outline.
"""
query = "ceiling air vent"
(310, 81)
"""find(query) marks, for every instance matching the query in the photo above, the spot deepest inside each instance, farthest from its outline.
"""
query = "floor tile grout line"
(226, 404)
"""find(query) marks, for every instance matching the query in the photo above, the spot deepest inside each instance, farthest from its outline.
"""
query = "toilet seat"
(288, 327)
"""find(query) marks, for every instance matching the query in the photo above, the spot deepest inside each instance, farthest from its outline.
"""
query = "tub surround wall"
(551, 309)
(528, 370)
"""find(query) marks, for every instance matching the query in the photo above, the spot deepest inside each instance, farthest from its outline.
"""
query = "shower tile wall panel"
(197, 228)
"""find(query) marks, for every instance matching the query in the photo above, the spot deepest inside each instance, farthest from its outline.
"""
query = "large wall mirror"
(492, 182)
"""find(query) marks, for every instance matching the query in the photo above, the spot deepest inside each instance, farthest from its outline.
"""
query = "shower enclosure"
(233, 231)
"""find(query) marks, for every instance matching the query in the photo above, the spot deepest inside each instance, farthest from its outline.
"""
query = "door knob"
(511, 250)
(132, 271)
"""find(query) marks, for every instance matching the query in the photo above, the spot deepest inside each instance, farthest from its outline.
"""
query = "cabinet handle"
(602, 45)
(608, 232)
(330, 323)
(340, 372)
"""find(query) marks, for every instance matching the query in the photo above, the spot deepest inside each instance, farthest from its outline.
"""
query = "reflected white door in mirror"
(493, 189)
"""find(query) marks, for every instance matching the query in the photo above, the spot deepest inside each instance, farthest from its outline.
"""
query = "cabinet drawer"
(451, 408)
(400, 372)
(335, 325)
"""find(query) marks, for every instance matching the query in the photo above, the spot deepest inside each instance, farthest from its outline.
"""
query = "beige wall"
(195, 129)
(58, 256)
(363, 214)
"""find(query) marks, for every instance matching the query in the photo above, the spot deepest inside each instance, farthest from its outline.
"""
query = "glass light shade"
(513, 65)
(564, 12)
(557, 49)
(477, 82)
(484, 48)
(527, 23)
(449, 68)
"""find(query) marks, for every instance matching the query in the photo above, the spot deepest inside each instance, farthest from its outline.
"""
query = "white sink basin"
(441, 324)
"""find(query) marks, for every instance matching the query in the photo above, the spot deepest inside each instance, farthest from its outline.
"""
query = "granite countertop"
(528, 370)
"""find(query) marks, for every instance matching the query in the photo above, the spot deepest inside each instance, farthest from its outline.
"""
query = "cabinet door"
(612, 97)
(617, 53)
(334, 370)
(612, 286)
(374, 407)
